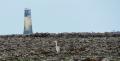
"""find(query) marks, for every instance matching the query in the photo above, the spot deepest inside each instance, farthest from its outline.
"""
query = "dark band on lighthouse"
(27, 13)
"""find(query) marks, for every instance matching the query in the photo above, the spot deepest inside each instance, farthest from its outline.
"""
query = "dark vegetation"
(73, 46)
(68, 35)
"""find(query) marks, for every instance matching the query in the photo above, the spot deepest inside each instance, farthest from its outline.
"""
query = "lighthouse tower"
(27, 22)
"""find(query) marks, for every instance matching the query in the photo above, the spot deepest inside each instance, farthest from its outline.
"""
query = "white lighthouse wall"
(27, 25)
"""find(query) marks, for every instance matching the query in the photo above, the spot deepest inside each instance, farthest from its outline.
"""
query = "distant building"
(27, 22)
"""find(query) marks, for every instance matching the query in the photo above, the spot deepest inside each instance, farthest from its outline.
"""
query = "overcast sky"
(60, 15)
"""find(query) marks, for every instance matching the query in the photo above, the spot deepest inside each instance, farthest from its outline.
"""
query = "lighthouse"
(27, 22)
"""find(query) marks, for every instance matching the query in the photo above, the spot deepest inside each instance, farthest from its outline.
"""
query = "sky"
(56, 16)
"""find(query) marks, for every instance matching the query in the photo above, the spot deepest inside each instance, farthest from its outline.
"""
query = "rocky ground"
(43, 48)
